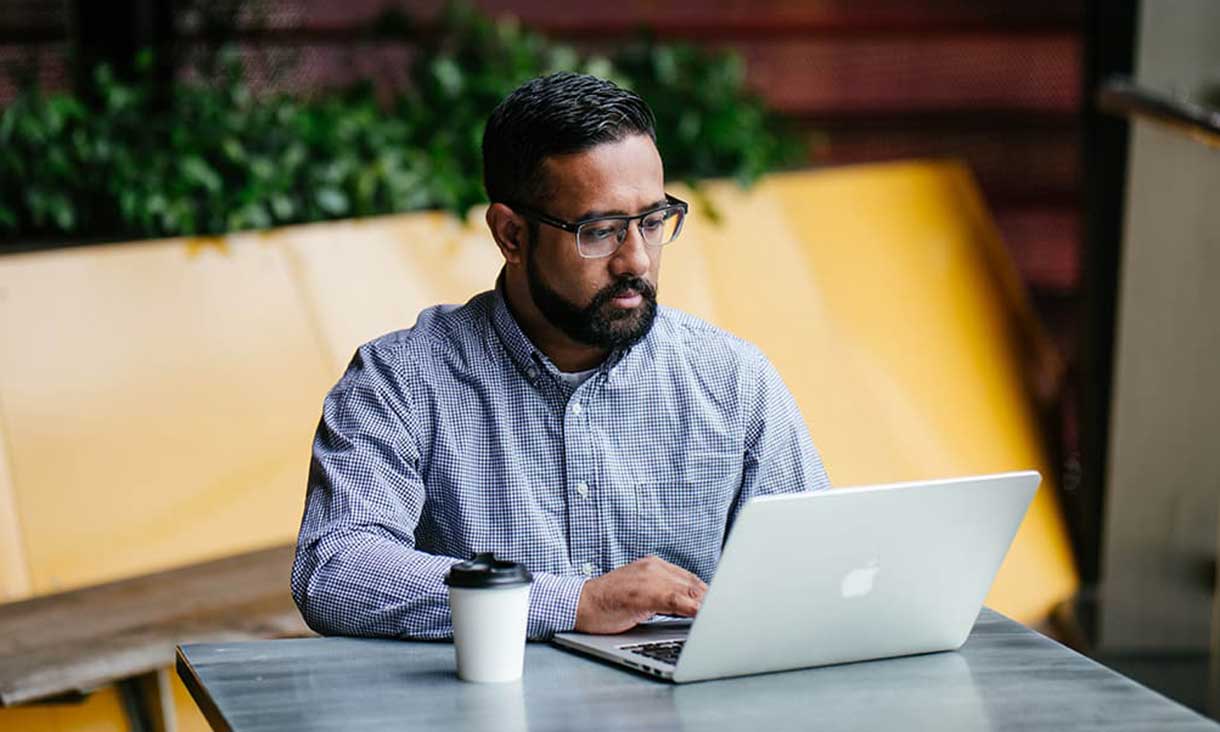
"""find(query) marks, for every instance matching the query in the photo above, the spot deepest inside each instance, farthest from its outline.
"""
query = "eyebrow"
(596, 214)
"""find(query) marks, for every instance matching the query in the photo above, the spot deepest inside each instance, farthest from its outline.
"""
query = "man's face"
(608, 302)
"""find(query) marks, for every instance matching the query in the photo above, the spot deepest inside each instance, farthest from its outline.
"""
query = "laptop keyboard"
(666, 651)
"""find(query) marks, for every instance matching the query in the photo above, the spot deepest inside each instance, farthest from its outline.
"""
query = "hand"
(620, 600)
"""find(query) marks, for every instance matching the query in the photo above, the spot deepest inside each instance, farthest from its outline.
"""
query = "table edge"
(194, 686)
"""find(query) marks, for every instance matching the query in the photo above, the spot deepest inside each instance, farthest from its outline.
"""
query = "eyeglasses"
(602, 236)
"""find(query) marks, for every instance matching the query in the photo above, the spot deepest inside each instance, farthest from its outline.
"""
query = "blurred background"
(136, 119)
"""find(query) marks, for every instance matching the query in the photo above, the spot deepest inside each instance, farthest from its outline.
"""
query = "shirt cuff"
(553, 602)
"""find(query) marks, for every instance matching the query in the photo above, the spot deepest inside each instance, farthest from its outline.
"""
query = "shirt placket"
(580, 476)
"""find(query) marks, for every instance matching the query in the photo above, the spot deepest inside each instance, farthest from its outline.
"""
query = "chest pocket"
(681, 509)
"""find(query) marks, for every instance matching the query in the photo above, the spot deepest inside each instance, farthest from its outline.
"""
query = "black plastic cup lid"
(485, 571)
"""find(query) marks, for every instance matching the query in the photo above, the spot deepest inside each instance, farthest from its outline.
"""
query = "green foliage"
(213, 157)
(707, 125)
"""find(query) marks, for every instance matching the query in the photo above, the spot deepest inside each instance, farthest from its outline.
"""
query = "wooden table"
(1006, 677)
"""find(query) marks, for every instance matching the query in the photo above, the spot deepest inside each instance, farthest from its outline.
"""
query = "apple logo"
(859, 582)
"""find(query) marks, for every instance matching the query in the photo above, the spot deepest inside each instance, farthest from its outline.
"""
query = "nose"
(633, 257)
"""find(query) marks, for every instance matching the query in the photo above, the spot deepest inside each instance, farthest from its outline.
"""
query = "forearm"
(364, 584)
(356, 582)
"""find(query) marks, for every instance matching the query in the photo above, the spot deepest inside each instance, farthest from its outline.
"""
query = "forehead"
(624, 176)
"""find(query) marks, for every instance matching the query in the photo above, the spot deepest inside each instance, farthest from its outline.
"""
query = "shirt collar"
(530, 360)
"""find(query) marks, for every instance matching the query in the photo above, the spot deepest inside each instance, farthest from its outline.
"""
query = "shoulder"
(706, 369)
(441, 333)
(678, 334)
(704, 357)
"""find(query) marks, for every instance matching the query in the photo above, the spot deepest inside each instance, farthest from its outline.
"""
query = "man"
(563, 420)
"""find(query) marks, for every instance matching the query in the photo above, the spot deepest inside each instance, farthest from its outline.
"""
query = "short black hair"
(558, 114)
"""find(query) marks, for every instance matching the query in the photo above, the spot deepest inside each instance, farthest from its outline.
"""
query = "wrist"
(587, 606)
(554, 600)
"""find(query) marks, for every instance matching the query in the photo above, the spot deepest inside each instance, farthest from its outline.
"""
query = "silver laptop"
(844, 575)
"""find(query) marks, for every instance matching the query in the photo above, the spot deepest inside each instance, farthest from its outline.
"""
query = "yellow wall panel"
(158, 401)
(14, 570)
(369, 277)
(99, 712)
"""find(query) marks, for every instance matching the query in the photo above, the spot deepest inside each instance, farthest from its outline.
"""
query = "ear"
(509, 230)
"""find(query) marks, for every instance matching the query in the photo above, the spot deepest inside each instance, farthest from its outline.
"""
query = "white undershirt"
(573, 379)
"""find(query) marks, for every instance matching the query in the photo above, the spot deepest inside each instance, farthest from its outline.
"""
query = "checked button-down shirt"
(457, 436)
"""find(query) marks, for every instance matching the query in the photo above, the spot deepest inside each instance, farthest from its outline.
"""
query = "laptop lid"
(854, 574)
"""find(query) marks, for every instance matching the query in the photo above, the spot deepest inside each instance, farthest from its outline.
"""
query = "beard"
(600, 323)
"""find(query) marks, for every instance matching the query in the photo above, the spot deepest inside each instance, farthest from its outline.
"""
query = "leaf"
(196, 171)
(332, 200)
(62, 211)
(283, 207)
(233, 149)
(449, 75)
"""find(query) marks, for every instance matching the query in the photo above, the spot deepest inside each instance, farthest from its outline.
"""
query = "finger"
(674, 578)
(679, 603)
(689, 582)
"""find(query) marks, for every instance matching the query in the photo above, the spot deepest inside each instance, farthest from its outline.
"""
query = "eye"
(600, 232)
(654, 222)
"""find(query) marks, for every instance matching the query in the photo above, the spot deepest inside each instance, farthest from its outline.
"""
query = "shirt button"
(577, 409)
(587, 568)
(583, 489)
(531, 372)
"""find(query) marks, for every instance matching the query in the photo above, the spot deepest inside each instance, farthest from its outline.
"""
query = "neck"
(565, 353)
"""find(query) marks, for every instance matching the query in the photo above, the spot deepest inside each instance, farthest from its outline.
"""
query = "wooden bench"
(71, 643)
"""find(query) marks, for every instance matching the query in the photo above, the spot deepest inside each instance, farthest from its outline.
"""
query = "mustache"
(622, 287)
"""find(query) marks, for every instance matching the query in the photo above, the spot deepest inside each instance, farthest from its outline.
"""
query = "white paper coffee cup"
(489, 602)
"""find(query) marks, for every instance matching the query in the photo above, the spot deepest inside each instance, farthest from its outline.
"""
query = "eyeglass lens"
(602, 237)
